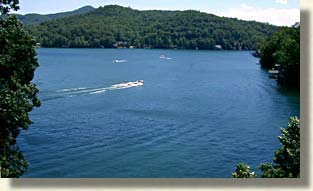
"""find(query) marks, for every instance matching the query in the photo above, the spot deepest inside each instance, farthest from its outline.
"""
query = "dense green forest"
(30, 19)
(113, 26)
(283, 49)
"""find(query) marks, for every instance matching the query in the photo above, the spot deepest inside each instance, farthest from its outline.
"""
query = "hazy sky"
(278, 12)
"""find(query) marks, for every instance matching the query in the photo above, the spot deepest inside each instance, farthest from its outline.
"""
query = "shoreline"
(144, 49)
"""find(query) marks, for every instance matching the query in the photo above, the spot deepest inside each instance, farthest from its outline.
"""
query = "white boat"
(164, 57)
(139, 82)
(119, 61)
(133, 84)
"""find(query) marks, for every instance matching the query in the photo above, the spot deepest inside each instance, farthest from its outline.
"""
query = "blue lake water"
(197, 114)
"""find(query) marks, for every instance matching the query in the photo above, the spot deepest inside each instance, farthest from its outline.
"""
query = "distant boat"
(136, 83)
(119, 61)
(164, 57)
(139, 82)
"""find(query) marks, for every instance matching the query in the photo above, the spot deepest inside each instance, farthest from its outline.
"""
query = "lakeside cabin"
(38, 45)
(218, 47)
(121, 44)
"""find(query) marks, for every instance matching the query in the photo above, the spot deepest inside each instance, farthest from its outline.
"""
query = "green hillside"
(30, 19)
(114, 25)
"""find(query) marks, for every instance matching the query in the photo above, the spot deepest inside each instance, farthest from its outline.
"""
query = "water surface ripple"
(197, 114)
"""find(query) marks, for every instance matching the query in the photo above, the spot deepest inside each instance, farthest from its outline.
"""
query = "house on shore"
(121, 44)
(218, 47)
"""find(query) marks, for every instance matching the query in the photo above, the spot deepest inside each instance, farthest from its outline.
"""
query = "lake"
(197, 114)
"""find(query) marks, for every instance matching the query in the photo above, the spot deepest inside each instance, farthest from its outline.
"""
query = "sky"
(277, 12)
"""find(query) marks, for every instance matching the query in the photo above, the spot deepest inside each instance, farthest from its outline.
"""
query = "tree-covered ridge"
(33, 18)
(106, 26)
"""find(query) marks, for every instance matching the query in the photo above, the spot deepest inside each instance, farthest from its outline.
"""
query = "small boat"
(139, 81)
(119, 61)
(164, 57)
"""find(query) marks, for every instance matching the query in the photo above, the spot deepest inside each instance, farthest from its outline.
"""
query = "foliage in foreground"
(17, 94)
(243, 171)
(286, 162)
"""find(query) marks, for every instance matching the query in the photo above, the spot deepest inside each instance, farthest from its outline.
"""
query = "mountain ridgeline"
(31, 19)
(115, 26)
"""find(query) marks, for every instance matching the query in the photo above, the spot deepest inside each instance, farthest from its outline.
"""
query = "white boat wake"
(70, 92)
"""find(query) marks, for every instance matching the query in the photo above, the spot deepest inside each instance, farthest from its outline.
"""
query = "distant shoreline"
(144, 49)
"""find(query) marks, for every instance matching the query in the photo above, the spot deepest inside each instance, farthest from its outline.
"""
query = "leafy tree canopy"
(283, 48)
(17, 93)
(7, 5)
(243, 171)
(286, 163)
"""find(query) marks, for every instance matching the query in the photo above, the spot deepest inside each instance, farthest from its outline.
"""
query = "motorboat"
(139, 82)
(164, 57)
(119, 61)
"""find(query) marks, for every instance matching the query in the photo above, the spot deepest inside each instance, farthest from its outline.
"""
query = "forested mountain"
(37, 18)
(118, 26)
